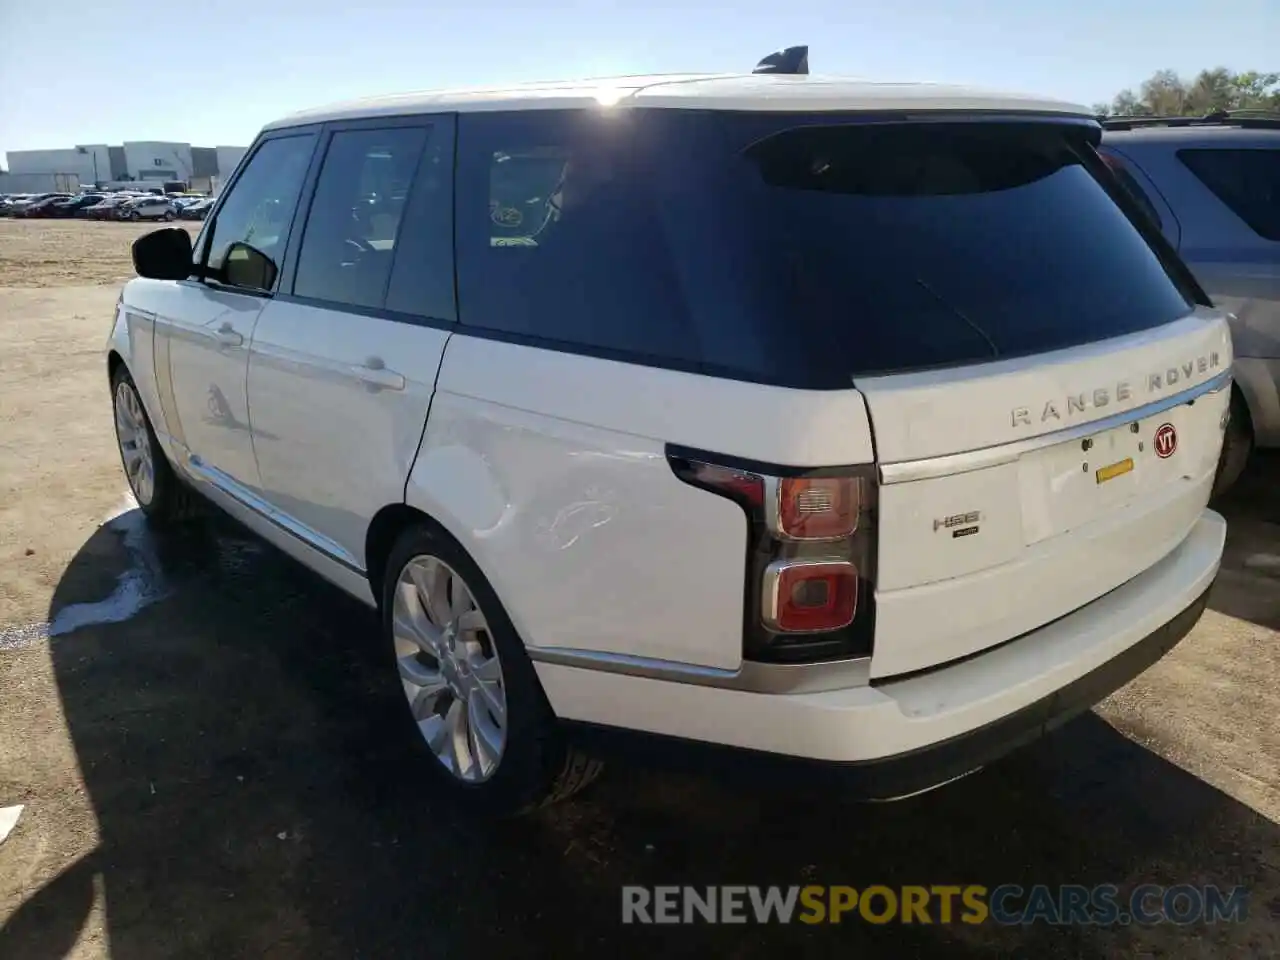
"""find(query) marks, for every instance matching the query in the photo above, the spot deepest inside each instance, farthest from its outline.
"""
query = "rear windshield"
(799, 250)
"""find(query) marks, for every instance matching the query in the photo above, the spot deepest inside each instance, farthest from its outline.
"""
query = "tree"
(1166, 94)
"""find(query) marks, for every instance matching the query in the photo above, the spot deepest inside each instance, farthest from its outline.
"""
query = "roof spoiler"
(792, 60)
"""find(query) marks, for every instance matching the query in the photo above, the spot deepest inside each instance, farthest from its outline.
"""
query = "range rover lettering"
(675, 412)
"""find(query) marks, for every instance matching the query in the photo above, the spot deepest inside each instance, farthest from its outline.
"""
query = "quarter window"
(559, 237)
(1247, 181)
(349, 242)
(258, 210)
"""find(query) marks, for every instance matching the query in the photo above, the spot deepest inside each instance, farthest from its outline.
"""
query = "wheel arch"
(114, 362)
(386, 528)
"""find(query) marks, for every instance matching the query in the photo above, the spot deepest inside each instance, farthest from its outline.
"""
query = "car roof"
(743, 92)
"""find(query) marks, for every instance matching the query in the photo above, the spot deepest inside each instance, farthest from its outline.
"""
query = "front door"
(344, 358)
(203, 333)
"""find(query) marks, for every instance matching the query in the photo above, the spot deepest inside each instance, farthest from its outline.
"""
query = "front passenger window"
(349, 241)
(260, 206)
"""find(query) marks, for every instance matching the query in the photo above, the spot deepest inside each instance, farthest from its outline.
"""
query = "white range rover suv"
(861, 427)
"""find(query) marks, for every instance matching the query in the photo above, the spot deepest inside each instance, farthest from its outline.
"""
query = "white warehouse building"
(89, 163)
(157, 160)
(142, 160)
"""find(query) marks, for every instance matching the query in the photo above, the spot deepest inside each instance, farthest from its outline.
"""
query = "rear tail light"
(815, 508)
(810, 554)
(807, 596)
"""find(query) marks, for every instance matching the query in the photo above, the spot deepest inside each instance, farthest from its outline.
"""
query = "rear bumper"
(900, 737)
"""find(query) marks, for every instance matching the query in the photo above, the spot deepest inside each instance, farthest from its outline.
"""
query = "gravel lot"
(215, 774)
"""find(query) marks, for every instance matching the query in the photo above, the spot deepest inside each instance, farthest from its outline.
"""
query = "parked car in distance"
(8, 201)
(71, 206)
(104, 208)
(1212, 187)
(35, 204)
(197, 210)
(45, 207)
(890, 508)
(146, 208)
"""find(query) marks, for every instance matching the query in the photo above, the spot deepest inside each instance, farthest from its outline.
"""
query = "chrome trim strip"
(250, 500)
(750, 677)
(951, 464)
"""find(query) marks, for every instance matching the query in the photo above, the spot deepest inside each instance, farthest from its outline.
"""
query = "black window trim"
(1090, 131)
(1161, 245)
(1123, 170)
(446, 124)
(205, 236)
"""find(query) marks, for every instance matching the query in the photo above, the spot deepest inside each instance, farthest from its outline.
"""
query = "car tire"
(168, 215)
(159, 492)
(533, 766)
(1237, 445)
(133, 214)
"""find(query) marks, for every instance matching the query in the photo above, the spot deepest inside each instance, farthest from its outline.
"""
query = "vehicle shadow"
(1248, 586)
(253, 798)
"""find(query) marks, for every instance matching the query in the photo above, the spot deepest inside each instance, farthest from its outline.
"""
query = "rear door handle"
(375, 373)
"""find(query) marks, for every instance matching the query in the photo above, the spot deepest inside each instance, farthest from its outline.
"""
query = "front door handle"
(228, 336)
(375, 373)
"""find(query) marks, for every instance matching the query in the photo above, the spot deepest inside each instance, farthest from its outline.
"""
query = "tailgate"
(1015, 492)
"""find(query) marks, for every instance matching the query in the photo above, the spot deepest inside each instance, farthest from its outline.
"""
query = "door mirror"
(163, 254)
(247, 266)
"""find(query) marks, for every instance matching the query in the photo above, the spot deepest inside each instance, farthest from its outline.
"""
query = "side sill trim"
(250, 500)
(906, 471)
(751, 676)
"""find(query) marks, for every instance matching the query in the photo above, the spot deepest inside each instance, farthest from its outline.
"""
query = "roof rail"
(1246, 119)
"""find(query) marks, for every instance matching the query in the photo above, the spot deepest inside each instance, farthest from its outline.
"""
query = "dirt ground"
(61, 253)
(209, 765)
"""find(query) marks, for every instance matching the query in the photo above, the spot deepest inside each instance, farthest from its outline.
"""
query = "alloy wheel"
(449, 668)
(135, 443)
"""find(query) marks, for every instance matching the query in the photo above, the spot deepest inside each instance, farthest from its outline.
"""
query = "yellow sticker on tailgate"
(1114, 470)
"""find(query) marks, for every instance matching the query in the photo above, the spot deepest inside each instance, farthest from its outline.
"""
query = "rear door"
(344, 361)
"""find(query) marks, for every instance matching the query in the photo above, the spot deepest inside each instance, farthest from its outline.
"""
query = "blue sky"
(74, 71)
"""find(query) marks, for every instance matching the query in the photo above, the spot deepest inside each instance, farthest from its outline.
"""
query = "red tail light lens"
(809, 596)
(817, 508)
(810, 557)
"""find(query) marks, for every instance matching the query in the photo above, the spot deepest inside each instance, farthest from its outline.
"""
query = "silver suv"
(1212, 185)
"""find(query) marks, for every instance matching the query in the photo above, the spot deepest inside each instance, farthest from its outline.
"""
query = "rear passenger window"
(559, 239)
(1247, 181)
(349, 241)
